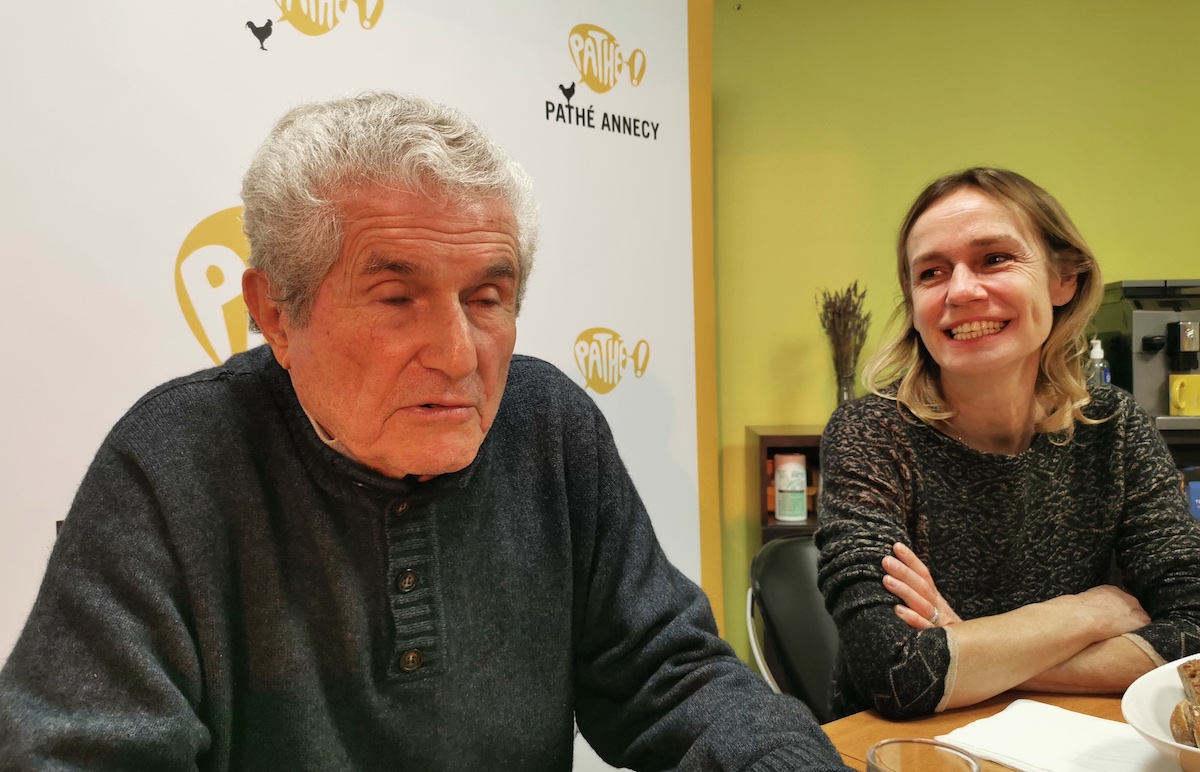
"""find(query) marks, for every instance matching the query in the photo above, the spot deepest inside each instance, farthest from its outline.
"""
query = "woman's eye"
(397, 301)
(996, 259)
(928, 274)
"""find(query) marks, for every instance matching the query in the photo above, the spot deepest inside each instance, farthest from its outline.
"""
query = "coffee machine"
(1150, 329)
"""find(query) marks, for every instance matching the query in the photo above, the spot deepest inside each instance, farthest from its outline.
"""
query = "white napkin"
(1035, 737)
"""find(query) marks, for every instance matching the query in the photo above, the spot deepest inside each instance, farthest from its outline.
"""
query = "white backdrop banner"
(128, 127)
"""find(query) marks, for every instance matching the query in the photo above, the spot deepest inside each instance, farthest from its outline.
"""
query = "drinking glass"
(918, 755)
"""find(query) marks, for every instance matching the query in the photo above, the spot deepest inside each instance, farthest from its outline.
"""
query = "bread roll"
(1181, 728)
(1189, 675)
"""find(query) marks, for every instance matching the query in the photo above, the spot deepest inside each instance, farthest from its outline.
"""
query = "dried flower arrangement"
(846, 324)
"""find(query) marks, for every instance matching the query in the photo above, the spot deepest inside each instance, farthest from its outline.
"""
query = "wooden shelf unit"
(762, 444)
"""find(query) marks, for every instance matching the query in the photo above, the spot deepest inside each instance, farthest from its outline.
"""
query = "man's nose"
(449, 345)
(964, 287)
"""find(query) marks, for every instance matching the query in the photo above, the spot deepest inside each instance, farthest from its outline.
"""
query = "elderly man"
(382, 541)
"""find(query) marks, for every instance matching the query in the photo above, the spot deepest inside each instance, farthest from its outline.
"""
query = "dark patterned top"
(997, 532)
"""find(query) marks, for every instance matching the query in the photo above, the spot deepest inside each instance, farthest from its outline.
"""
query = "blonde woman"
(976, 504)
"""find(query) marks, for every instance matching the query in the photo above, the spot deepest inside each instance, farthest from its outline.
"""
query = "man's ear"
(266, 312)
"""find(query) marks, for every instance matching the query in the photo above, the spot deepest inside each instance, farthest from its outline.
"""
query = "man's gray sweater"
(230, 593)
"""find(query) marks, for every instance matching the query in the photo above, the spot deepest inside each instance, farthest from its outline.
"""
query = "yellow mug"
(1185, 393)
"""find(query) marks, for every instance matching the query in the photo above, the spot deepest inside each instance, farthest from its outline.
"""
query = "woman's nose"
(964, 287)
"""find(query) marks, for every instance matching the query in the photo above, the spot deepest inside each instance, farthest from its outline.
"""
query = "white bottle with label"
(1097, 369)
(791, 488)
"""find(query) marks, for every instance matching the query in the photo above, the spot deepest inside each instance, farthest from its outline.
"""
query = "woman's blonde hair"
(903, 368)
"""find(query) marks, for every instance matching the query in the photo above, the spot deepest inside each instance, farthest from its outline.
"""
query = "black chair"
(798, 629)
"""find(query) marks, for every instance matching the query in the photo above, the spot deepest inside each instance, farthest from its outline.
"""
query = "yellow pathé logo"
(603, 358)
(316, 17)
(599, 60)
(208, 283)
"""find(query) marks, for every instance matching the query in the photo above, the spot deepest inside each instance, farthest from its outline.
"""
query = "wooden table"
(852, 735)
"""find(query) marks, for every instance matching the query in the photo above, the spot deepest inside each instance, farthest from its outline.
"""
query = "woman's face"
(982, 290)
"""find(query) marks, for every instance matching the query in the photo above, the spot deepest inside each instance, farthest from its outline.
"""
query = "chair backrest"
(783, 579)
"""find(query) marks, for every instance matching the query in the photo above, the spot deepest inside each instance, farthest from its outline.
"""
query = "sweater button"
(407, 580)
(410, 660)
(402, 507)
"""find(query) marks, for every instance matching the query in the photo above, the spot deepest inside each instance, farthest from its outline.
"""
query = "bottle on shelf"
(1097, 369)
(791, 488)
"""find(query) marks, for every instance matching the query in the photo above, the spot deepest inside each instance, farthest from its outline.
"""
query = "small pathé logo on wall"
(603, 358)
(315, 17)
(599, 60)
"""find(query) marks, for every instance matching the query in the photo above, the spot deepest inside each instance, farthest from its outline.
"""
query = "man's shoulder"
(206, 397)
(526, 367)
(533, 380)
(542, 401)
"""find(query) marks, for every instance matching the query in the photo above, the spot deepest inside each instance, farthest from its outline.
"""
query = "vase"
(845, 388)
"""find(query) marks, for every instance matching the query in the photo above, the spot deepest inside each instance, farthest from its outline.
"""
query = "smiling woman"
(968, 233)
(975, 503)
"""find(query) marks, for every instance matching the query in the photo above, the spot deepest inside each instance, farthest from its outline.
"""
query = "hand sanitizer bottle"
(1097, 366)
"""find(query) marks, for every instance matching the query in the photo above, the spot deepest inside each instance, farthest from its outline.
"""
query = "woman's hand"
(921, 606)
(1112, 610)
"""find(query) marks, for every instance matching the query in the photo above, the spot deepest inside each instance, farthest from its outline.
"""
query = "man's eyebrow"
(377, 264)
(500, 270)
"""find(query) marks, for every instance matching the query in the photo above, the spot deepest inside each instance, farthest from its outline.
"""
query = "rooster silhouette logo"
(262, 33)
(568, 92)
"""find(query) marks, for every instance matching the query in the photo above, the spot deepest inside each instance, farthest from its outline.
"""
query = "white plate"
(1147, 707)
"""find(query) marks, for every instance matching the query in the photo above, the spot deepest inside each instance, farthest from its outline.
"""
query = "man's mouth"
(972, 330)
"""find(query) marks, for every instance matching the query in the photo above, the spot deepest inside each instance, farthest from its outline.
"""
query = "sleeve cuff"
(1146, 648)
(951, 671)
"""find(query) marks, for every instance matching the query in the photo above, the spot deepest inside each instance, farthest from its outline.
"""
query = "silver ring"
(936, 613)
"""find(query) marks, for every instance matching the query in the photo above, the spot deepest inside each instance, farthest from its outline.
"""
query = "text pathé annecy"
(620, 124)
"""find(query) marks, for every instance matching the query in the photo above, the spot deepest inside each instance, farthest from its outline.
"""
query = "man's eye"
(996, 259)
(397, 301)
(485, 298)
(929, 274)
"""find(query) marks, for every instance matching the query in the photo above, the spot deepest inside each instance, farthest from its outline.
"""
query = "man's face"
(406, 354)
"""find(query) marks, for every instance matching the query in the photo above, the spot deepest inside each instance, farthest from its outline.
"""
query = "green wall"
(829, 117)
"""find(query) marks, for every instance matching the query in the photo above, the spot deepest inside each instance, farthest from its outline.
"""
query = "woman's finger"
(910, 559)
(902, 573)
(912, 618)
(909, 597)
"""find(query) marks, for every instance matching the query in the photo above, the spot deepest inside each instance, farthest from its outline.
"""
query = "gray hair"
(320, 151)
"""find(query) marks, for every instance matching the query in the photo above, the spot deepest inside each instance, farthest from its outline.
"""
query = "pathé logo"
(208, 283)
(599, 60)
(602, 358)
(316, 17)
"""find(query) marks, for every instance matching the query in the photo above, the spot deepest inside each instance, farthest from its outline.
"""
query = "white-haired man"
(382, 541)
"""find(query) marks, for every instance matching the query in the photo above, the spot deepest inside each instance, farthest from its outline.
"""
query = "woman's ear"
(1062, 288)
